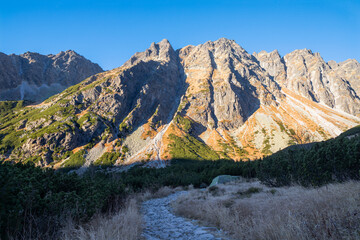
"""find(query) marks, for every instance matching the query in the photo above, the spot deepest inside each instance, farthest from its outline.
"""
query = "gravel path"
(161, 223)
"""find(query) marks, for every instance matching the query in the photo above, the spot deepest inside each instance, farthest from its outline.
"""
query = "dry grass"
(126, 224)
(253, 211)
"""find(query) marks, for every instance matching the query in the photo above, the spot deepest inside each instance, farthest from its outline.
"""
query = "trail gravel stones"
(161, 223)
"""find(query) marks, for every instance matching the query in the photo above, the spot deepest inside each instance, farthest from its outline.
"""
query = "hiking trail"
(162, 224)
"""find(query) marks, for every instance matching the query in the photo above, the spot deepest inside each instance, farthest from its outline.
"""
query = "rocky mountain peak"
(273, 54)
(351, 63)
(349, 70)
(332, 64)
(307, 74)
(306, 56)
(161, 51)
(33, 76)
(225, 47)
(67, 53)
(31, 57)
(273, 63)
(221, 43)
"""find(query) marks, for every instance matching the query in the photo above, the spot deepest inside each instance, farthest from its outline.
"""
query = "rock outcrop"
(35, 77)
(307, 74)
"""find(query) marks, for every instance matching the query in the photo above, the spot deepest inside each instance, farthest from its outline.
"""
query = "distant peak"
(274, 53)
(350, 62)
(163, 44)
(221, 41)
(303, 51)
(30, 53)
(161, 51)
(332, 63)
(164, 41)
(71, 51)
(68, 53)
(225, 40)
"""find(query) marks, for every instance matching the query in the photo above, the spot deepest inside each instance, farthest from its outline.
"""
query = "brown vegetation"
(126, 224)
(250, 210)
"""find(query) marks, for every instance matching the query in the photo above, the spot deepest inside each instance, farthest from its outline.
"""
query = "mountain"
(35, 77)
(307, 74)
(209, 101)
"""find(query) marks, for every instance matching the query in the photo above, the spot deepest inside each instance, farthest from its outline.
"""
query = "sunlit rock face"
(35, 77)
(225, 84)
(307, 74)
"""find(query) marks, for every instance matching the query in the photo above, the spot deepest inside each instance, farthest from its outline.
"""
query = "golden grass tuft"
(124, 225)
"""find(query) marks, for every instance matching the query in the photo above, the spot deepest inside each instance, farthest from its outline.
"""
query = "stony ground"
(161, 223)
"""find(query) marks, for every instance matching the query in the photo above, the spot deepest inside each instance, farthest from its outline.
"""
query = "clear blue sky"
(109, 32)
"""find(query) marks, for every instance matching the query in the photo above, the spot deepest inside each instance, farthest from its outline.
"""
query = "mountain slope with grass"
(206, 102)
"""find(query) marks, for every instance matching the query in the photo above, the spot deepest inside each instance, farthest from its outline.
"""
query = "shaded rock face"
(35, 77)
(148, 85)
(146, 89)
(307, 74)
(209, 101)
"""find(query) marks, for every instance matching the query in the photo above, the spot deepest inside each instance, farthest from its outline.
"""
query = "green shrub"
(313, 165)
(252, 190)
(7, 107)
(125, 149)
(272, 191)
(107, 159)
(76, 160)
(189, 147)
(249, 192)
(33, 159)
(87, 118)
(35, 202)
(182, 122)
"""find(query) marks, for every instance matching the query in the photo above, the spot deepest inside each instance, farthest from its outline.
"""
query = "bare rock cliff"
(225, 85)
(307, 74)
(32, 76)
